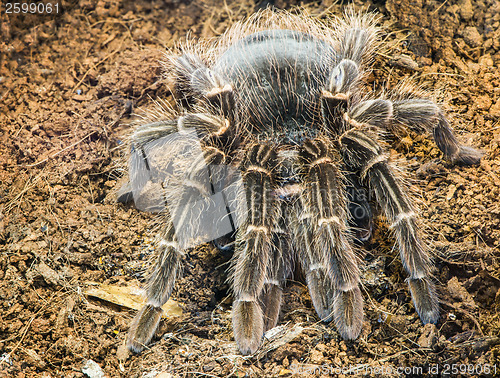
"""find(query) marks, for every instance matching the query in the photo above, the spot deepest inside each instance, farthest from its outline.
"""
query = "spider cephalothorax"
(274, 128)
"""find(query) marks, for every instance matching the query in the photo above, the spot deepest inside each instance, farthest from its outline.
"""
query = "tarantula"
(274, 129)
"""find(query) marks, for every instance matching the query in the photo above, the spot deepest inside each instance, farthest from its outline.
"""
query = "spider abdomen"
(278, 75)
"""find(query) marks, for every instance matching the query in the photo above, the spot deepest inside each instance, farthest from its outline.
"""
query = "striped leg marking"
(161, 281)
(253, 252)
(277, 272)
(339, 91)
(331, 267)
(363, 152)
(358, 38)
(195, 81)
(425, 115)
(196, 184)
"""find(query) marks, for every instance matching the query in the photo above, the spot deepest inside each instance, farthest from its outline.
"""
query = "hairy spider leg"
(362, 150)
(160, 284)
(425, 115)
(358, 37)
(325, 251)
(277, 272)
(196, 81)
(258, 264)
(216, 139)
(254, 252)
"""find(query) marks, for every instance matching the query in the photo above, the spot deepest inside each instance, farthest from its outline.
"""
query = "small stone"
(165, 374)
(474, 67)
(398, 324)
(458, 292)
(466, 10)
(92, 370)
(472, 36)
(486, 61)
(495, 108)
(483, 102)
(32, 357)
(429, 337)
(451, 192)
(316, 356)
(49, 275)
(82, 97)
(404, 61)
(285, 362)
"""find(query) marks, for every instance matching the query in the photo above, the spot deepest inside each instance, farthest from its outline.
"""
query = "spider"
(274, 130)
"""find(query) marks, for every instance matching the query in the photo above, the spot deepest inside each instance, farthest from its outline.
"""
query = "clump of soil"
(69, 83)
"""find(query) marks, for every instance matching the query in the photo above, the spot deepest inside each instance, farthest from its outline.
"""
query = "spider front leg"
(319, 282)
(363, 152)
(157, 155)
(325, 251)
(357, 37)
(160, 284)
(253, 253)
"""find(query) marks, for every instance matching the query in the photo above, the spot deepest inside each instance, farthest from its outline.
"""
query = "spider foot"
(425, 299)
(248, 326)
(348, 312)
(320, 294)
(468, 156)
(271, 303)
(453, 150)
(143, 327)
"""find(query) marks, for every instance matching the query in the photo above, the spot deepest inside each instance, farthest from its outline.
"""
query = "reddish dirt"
(68, 86)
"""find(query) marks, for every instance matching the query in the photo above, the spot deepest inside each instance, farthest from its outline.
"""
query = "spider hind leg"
(363, 152)
(420, 114)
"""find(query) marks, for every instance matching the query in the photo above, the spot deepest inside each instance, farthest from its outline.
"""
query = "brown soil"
(68, 85)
